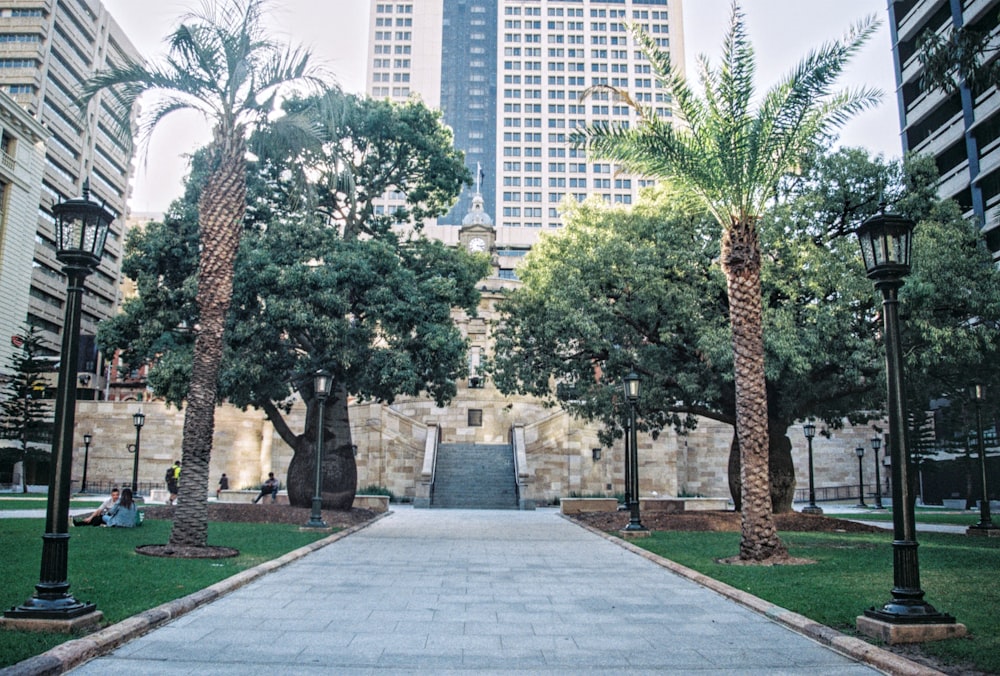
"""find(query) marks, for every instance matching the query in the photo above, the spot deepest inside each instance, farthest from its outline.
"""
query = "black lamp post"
(809, 429)
(886, 243)
(876, 445)
(86, 456)
(632, 394)
(138, 419)
(81, 229)
(321, 387)
(860, 452)
(985, 521)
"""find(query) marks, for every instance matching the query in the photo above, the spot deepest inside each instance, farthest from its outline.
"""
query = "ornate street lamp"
(886, 244)
(138, 420)
(632, 394)
(322, 382)
(985, 521)
(86, 455)
(81, 229)
(876, 445)
(860, 452)
(809, 429)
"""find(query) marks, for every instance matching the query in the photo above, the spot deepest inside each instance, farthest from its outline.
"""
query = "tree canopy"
(619, 289)
(309, 293)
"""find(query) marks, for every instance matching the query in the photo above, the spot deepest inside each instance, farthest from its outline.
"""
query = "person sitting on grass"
(124, 513)
(95, 518)
(270, 487)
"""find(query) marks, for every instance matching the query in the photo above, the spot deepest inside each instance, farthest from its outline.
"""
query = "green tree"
(375, 311)
(223, 64)
(25, 416)
(354, 151)
(620, 289)
(959, 54)
(731, 157)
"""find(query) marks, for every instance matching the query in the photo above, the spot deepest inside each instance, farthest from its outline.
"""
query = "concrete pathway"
(460, 591)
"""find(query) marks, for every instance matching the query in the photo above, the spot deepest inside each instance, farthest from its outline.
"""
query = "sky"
(781, 32)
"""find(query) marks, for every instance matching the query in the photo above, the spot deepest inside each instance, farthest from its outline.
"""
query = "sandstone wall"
(390, 442)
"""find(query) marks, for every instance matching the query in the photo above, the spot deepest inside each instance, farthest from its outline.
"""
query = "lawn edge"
(852, 647)
(70, 654)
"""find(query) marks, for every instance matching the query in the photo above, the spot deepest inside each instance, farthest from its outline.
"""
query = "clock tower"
(477, 234)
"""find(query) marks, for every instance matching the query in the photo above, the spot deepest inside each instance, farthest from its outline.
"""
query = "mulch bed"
(246, 513)
(721, 521)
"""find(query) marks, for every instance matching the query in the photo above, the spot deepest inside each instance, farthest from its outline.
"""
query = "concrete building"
(960, 129)
(22, 163)
(508, 76)
(47, 48)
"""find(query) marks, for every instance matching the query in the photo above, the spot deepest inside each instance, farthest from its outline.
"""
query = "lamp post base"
(35, 621)
(632, 533)
(893, 633)
(812, 509)
(989, 530)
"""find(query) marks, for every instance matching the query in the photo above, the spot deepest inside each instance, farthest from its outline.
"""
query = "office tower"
(47, 48)
(960, 129)
(22, 161)
(509, 76)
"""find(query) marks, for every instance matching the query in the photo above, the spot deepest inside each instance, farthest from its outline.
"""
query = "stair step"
(474, 476)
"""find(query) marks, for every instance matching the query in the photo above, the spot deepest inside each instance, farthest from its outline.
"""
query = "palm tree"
(222, 63)
(730, 157)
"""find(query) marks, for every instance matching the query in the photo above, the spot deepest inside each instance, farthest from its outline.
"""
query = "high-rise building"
(47, 49)
(510, 77)
(961, 129)
(22, 162)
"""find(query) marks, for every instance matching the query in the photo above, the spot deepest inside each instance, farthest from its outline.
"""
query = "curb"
(70, 654)
(855, 648)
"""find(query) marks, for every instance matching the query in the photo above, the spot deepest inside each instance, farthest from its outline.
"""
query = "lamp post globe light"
(809, 430)
(985, 525)
(860, 452)
(632, 395)
(81, 229)
(886, 245)
(876, 445)
(322, 382)
(138, 420)
(87, 438)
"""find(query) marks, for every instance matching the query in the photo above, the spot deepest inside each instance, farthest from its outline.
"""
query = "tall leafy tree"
(622, 288)
(222, 63)
(310, 292)
(731, 156)
(959, 54)
(25, 416)
(340, 153)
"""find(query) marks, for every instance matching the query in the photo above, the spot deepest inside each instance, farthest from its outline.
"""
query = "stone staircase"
(474, 476)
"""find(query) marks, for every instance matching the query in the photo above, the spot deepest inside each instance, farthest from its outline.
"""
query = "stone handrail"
(521, 467)
(426, 483)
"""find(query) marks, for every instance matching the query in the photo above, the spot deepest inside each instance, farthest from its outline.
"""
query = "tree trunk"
(741, 265)
(780, 469)
(220, 215)
(340, 473)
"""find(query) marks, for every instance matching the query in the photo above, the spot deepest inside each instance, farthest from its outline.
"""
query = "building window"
(475, 417)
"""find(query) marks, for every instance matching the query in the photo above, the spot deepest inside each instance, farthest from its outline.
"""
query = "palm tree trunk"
(741, 264)
(220, 215)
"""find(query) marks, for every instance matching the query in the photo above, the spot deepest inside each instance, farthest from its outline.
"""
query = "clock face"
(477, 244)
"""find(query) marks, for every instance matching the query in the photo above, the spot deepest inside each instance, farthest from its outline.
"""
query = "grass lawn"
(853, 572)
(968, 518)
(41, 501)
(104, 569)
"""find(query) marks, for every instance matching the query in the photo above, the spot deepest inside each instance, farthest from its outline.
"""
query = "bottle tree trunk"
(780, 469)
(340, 473)
(220, 215)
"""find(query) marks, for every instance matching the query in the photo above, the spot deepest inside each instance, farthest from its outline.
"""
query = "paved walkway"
(459, 591)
